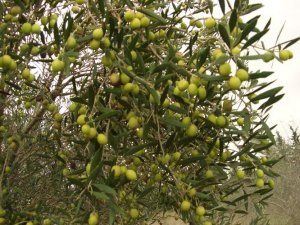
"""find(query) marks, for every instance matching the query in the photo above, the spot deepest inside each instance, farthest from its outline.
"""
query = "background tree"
(115, 111)
(286, 192)
(282, 207)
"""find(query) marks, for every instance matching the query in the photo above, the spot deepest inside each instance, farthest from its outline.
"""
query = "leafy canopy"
(113, 112)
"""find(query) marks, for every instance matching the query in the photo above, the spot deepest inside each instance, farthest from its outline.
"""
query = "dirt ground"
(169, 219)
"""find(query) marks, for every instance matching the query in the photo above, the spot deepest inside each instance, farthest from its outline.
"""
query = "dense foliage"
(113, 112)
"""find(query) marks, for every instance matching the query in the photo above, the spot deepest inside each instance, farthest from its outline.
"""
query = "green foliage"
(125, 123)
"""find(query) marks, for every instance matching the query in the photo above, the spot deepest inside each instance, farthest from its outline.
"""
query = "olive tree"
(113, 112)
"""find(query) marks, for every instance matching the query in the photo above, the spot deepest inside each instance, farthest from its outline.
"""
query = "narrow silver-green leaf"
(105, 188)
(224, 34)
(172, 121)
(153, 15)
